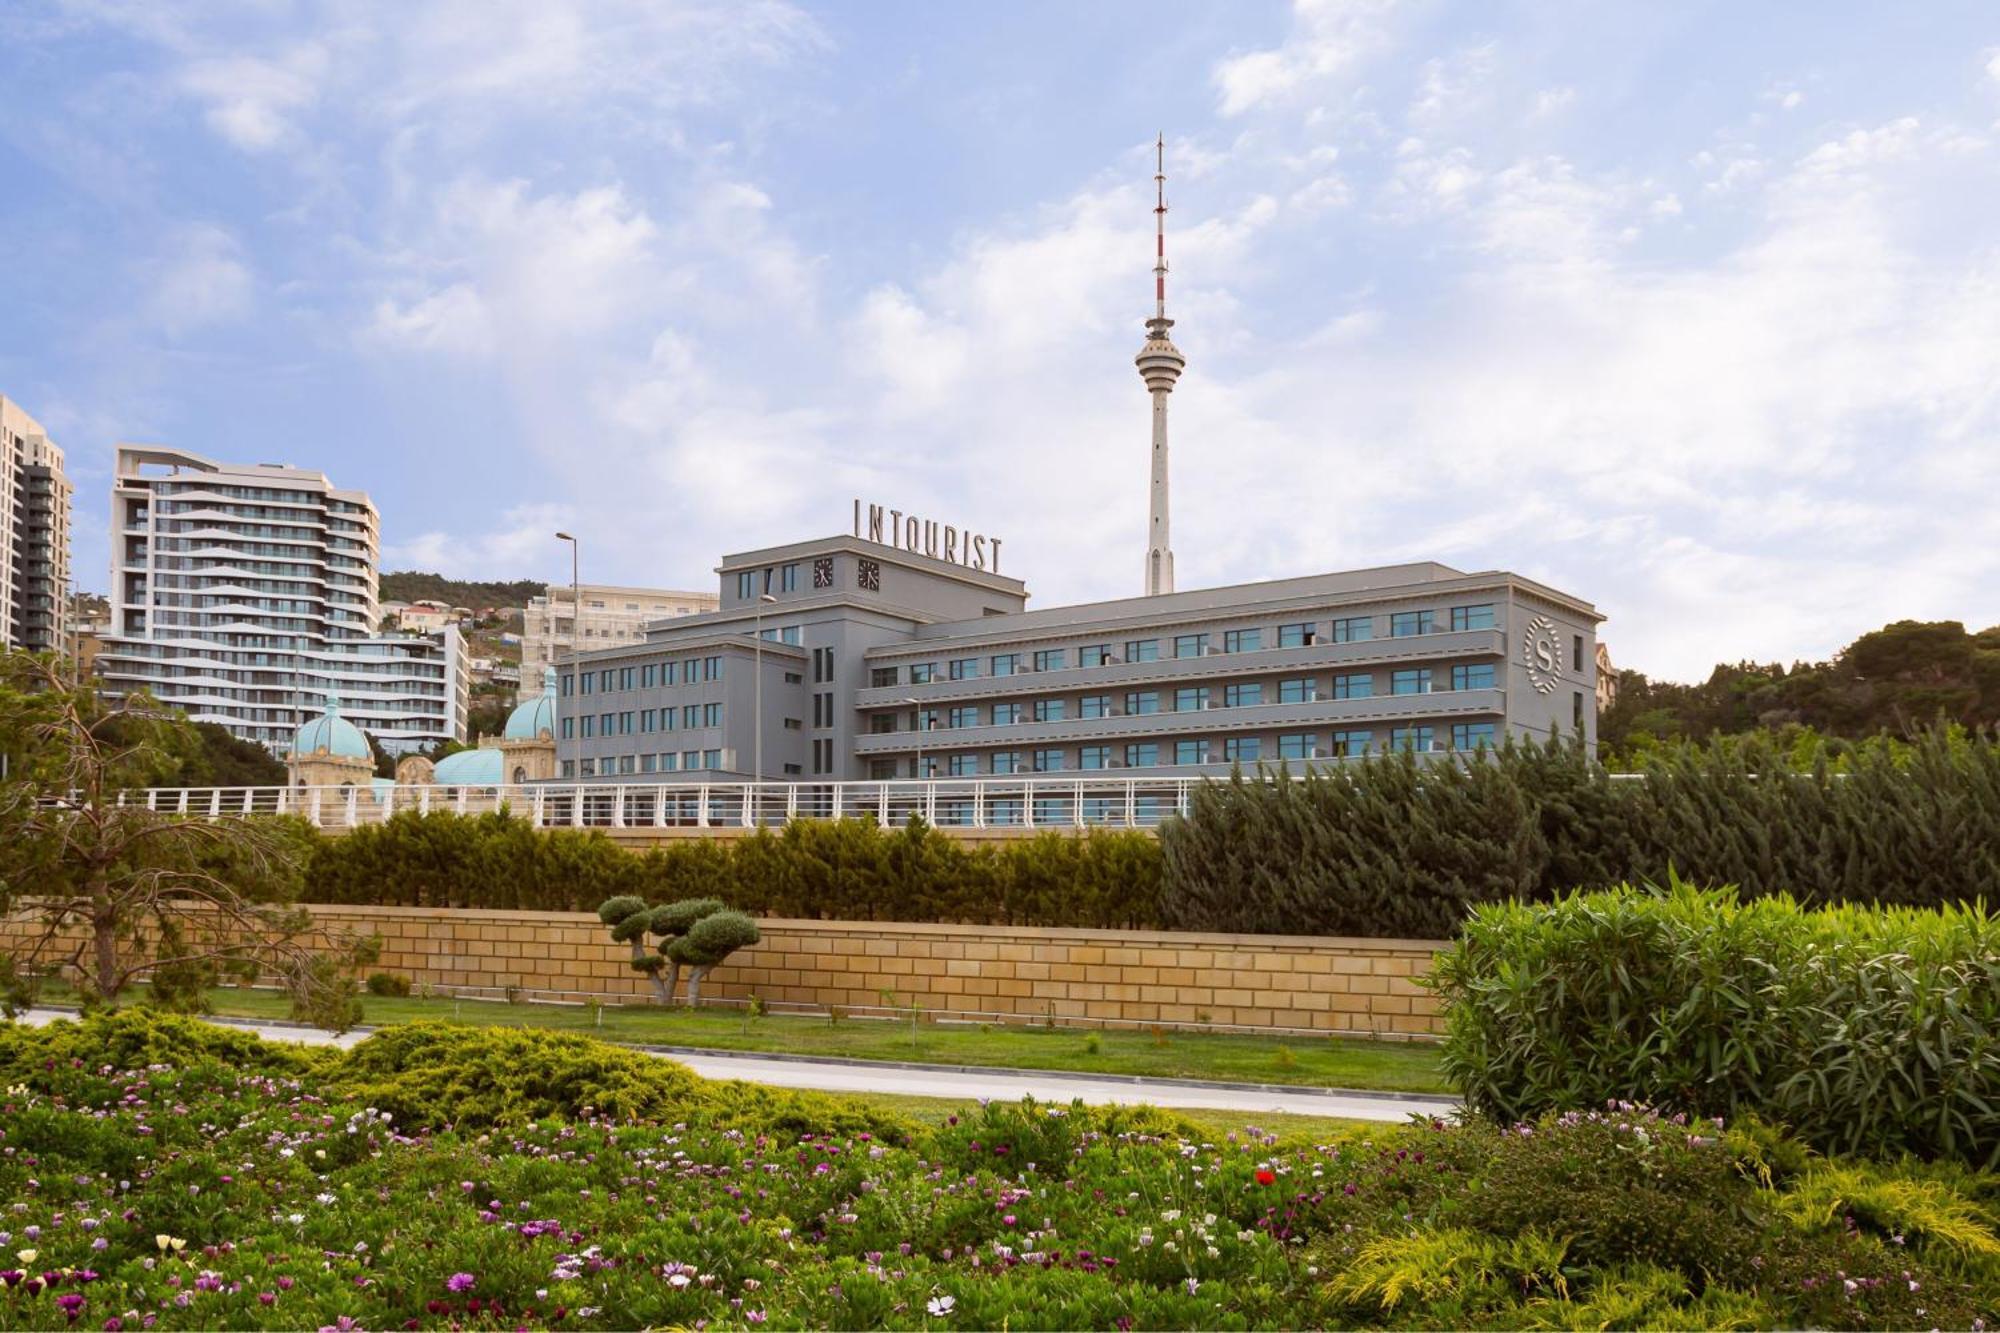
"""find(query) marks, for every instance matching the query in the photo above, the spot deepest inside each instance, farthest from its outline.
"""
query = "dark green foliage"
(136, 1038)
(827, 869)
(411, 585)
(1862, 1030)
(388, 983)
(1391, 847)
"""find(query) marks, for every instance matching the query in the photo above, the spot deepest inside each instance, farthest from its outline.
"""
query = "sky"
(1689, 310)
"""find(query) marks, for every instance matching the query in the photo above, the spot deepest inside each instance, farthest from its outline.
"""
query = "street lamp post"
(575, 597)
(921, 729)
(757, 696)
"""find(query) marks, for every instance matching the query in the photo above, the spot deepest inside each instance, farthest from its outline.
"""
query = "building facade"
(612, 617)
(35, 502)
(246, 595)
(872, 662)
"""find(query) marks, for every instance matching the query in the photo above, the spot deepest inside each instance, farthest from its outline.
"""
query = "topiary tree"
(629, 919)
(708, 941)
(671, 922)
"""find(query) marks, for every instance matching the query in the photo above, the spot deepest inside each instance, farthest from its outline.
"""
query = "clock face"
(1542, 654)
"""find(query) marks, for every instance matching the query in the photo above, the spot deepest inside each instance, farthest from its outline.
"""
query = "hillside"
(411, 585)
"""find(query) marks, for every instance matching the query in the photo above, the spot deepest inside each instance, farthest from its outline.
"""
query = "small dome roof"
(533, 719)
(469, 768)
(330, 733)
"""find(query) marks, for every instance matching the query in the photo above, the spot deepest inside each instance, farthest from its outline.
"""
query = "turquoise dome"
(468, 768)
(330, 733)
(533, 719)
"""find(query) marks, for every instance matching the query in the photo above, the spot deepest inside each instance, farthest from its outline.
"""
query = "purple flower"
(458, 1282)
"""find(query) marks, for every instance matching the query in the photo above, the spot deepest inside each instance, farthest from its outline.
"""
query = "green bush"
(1395, 846)
(138, 1037)
(388, 983)
(826, 869)
(1871, 1030)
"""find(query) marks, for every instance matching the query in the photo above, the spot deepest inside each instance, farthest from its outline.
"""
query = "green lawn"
(1291, 1128)
(1332, 1062)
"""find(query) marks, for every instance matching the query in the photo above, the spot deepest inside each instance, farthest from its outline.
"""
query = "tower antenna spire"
(1160, 364)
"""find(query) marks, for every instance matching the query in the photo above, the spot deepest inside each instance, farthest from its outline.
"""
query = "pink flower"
(458, 1282)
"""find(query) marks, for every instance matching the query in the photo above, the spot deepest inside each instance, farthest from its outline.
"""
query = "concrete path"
(993, 1084)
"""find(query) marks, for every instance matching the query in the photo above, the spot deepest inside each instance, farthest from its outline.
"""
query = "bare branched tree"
(104, 893)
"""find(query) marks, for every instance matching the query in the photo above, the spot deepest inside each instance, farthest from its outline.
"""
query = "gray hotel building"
(883, 662)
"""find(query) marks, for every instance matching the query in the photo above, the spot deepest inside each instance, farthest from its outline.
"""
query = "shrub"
(388, 983)
(1863, 1030)
(138, 1037)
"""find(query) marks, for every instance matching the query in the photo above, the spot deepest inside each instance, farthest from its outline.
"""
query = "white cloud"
(1993, 65)
(1328, 38)
(201, 280)
(250, 99)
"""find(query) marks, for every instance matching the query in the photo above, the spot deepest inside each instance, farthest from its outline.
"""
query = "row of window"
(752, 582)
(684, 761)
(1193, 698)
(646, 676)
(644, 721)
(1198, 750)
(1352, 629)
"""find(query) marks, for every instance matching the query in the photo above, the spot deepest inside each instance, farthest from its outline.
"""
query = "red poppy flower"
(1266, 1176)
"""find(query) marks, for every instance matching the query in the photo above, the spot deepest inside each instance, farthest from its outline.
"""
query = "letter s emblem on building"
(1542, 654)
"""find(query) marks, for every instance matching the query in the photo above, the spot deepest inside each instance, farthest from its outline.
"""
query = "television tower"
(1160, 364)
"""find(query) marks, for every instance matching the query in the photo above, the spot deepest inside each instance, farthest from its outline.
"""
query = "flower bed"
(171, 1182)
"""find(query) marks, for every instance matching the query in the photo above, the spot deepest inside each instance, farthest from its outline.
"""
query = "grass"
(1327, 1062)
(1288, 1127)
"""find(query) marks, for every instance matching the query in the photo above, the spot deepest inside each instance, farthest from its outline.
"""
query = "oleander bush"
(1864, 1030)
(192, 1193)
(1398, 847)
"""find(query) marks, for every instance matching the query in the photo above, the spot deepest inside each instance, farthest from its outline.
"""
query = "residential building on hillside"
(245, 595)
(612, 616)
(884, 662)
(35, 502)
(1607, 679)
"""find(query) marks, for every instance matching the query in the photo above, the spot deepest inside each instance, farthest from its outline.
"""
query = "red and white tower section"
(1160, 364)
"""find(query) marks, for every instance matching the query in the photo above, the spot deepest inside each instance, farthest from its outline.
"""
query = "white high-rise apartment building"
(246, 595)
(612, 617)
(34, 534)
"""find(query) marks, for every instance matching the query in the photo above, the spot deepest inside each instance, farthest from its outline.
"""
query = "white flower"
(322, 1198)
(296, 1219)
(940, 1306)
(678, 1280)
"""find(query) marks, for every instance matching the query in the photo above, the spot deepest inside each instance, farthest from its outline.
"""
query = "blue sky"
(1688, 309)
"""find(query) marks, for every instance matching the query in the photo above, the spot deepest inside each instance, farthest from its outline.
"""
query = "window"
(794, 724)
(1298, 745)
(649, 720)
(1049, 710)
(568, 685)
(668, 672)
(1094, 705)
(1473, 676)
(1190, 645)
(1009, 761)
(788, 579)
(923, 673)
(1191, 752)
(1411, 680)
(1242, 749)
(792, 769)
(1242, 696)
(1576, 711)
(625, 678)
(690, 717)
(669, 762)
(1097, 654)
(1142, 701)
(882, 676)
(1143, 650)
(1050, 659)
(1006, 715)
(1472, 617)
(1471, 735)
(963, 717)
(605, 679)
(965, 668)
(1145, 754)
(569, 768)
(625, 724)
(1242, 640)
(881, 724)
(1192, 698)
(790, 634)
(1006, 664)
(746, 585)
(1348, 744)
(1410, 738)
(962, 765)
(1301, 690)
(589, 768)
(646, 763)
(625, 762)
(1354, 629)
(585, 681)
(711, 759)
(1295, 636)
(1576, 653)
(1094, 756)
(1405, 623)
(879, 770)
(1048, 761)
(587, 726)
(567, 728)
(794, 678)
(1357, 686)
(713, 717)
(924, 719)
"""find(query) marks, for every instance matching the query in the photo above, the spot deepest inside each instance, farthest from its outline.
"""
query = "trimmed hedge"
(847, 870)
(1871, 1030)
(1394, 847)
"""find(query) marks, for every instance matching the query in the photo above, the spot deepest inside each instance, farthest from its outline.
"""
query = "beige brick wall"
(1299, 982)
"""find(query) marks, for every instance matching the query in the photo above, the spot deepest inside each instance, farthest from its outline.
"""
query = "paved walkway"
(995, 1084)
